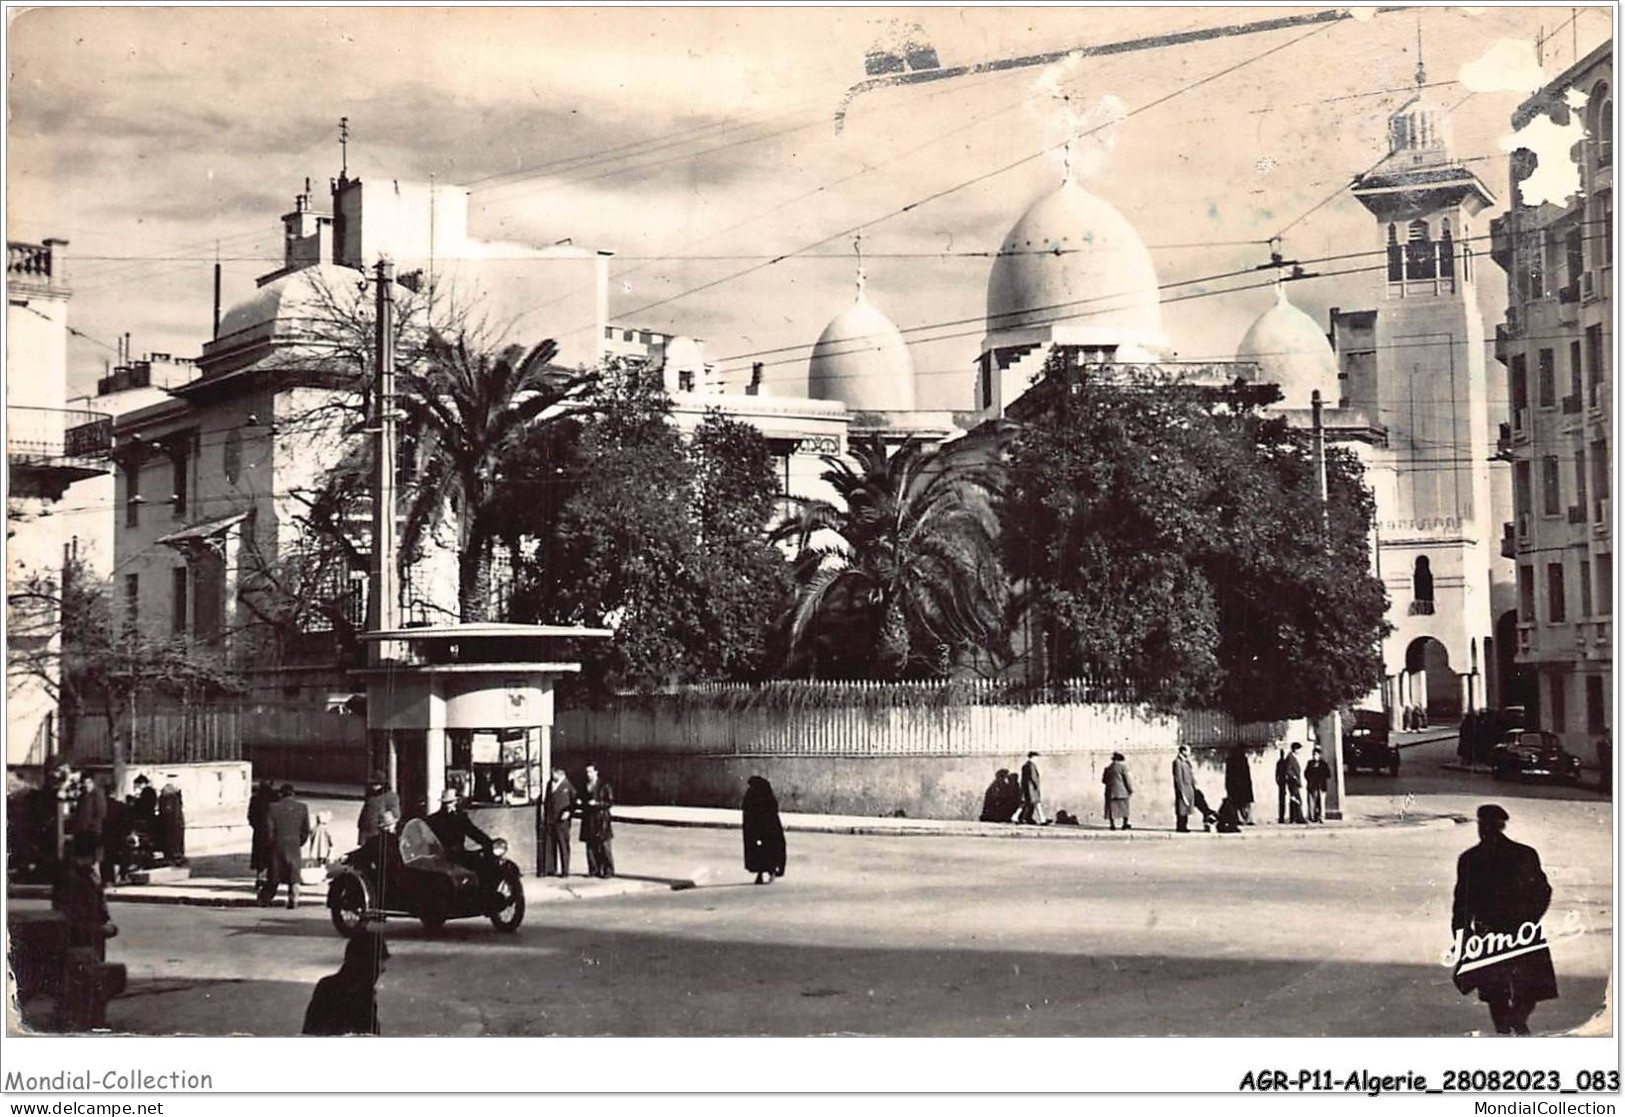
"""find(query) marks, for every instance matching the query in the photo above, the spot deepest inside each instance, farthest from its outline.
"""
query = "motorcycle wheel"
(347, 904)
(508, 902)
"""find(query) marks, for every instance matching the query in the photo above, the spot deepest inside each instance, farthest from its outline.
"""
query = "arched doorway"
(1430, 682)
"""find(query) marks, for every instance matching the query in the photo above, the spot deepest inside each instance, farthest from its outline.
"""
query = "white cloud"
(1509, 66)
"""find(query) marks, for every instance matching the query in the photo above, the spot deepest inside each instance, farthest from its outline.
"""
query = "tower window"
(1420, 262)
(1422, 588)
(1447, 253)
(1546, 385)
(1396, 256)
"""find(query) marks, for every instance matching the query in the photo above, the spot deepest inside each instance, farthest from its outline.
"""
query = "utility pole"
(381, 608)
(1331, 750)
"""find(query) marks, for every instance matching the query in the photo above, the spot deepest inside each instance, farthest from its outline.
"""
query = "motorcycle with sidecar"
(413, 876)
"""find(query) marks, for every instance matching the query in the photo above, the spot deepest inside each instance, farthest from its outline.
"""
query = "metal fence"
(174, 736)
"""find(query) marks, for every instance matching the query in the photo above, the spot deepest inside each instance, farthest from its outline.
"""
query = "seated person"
(455, 830)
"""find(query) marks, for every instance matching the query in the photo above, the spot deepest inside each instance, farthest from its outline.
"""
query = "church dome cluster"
(1291, 351)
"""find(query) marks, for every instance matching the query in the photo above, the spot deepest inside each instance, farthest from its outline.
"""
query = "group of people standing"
(560, 802)
(137, 828)
(1293, 778)
(1013, 798)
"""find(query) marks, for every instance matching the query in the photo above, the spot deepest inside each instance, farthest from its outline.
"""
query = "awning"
(210, 534)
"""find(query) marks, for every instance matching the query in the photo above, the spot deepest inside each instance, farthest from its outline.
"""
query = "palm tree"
(910, 562)
(470, 412)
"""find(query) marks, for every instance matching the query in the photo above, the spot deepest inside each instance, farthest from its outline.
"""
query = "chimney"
(754, 388)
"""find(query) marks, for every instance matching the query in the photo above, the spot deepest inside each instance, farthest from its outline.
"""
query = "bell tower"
(1427, 388)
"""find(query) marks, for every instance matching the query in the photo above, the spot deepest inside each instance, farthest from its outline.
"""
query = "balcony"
(1501, 246)
(1526, 637)
(1421, 609)
(1503, 443)
(1520, 425)
(1509, 541)
(1503, 338)
(1600, 524)
(1577, 513)
(50, 435)
(1588, 286)
(36, 266)
(1526, 531)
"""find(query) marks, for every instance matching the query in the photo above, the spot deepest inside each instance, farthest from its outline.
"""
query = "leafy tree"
(904, 573)
(745, 577)
(661, 540)
(468, 412)
(1172, 536)
(88, 660)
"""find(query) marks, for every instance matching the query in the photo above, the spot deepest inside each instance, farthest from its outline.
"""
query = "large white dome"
(1074, 259)
(1292, 352)
(862, 361)
(294, 306)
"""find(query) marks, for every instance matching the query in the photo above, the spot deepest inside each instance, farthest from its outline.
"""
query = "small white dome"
(1073, 258)
(1291, 351)
(862, 361)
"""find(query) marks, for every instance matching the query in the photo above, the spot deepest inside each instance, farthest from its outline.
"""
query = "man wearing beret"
(1499, 888)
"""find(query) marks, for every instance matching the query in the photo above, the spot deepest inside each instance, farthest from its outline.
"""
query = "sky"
(700, 144)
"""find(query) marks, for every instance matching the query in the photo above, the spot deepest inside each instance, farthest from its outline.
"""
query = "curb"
(228, 896)
(1059, 833)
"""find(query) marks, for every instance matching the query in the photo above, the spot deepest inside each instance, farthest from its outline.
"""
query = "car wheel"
(347, 904)
(508, 902)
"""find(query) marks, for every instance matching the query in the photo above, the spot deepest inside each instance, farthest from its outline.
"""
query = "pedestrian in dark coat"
(346, 1003)
(115, 842)
(172, 823)
(597, 830)
(290, 829)
(1280, 786)
(1500, 887)
(259, 828)
(1294, 782)
(379, 798)
(993, 798)
(79, 896)
(764, 832)
(90, 810)
(1238, 784)
(1118, 790)
(1317, 777)
(553, 813)
(1184, 790)
(144, 810)
(1032, 793)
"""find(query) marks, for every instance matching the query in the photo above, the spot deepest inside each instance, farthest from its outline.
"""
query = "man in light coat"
(1294, 782)
(1184, 790)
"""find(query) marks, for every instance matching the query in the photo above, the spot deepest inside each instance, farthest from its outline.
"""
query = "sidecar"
(412, 876)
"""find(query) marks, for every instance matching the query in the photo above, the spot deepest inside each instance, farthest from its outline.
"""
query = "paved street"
(1336, 934)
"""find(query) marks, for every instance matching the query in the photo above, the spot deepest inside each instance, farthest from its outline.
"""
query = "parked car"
(1533, 754)
(1482, 730)
(1366, 744)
